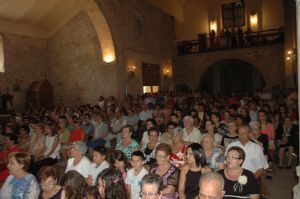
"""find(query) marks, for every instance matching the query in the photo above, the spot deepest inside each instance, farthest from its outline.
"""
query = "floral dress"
(127, 150)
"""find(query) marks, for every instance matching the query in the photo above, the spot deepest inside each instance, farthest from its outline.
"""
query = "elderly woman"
(239, 182)
(149, 148)
(19, 184)
(127, 145)
(177, 157)
(214, 156)
(190, 133)
(231, 135)
(78, 161)
(191, 172)
(168, 172)
(48, 177)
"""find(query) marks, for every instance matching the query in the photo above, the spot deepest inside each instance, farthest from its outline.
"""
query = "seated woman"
(24, 138)
(149, 124)
(166, 137)
(78, 161)
(149, 148)
(210, 129)
(167, 171)
(239, 182)
(191, 172)
(74, 185)
(287, 137)
(110, 184)
(10, 146)
(51, 149)
(127, 145)
(119, 161)
(20, 183)
(214, 156)
(48, 177)
(177, 157)
(231, 135)
(78, 133)
(38, 143)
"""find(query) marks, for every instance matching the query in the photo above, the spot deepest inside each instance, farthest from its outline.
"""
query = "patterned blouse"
(24, 188)
(216, 158)
(127, 150)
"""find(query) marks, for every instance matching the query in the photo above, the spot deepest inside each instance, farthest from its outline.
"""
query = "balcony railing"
(230, 40)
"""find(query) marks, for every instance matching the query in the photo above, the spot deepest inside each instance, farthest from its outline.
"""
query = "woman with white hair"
(190, 133)
(78, 161)
(177, 157)
(214, 155)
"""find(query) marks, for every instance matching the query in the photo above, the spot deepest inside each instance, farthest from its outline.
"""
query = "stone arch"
(218, 57)
(232, 75)
(102, 29)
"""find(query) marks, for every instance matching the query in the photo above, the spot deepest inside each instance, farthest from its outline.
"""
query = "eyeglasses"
(160, 156)
(148, 195)
(232, 158)
(47, 185)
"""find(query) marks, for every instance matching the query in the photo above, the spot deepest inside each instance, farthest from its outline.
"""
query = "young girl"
(110, 185)
(98, 165)
(120, 162)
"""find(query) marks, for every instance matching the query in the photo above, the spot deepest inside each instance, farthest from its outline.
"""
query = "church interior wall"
(25, 61)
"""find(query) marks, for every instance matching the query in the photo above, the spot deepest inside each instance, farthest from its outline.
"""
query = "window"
(233, 14)
(150, 89)
(1, 55)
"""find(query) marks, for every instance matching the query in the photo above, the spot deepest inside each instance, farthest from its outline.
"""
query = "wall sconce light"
(213, 25)
(131, 69)
(253, 20)
(108, 58)
(166, 73)
(290, 55)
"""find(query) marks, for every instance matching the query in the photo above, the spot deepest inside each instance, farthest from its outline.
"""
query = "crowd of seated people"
(169, 139)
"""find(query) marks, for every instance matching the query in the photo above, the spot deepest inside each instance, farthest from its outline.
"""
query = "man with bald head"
(211, 186)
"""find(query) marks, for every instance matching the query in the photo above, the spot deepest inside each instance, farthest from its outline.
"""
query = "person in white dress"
(78, 161)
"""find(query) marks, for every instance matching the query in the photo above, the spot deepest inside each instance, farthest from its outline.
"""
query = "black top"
(226, 140)
(55, 196)
(191, 184)
(148, 152)
(242, 191)
(293, 139)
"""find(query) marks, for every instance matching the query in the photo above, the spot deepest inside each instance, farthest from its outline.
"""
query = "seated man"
(211, 186)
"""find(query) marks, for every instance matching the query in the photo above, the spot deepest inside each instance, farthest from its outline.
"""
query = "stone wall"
(269, 60)
(25, 61)
(142, 33)
(76, 69)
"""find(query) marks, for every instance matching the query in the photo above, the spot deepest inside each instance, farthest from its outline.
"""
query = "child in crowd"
(98, 165)
(110, 185)
(120, 162)
(135, 175)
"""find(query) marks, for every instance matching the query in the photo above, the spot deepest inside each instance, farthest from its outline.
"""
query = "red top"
(77, 135)
(12, 149)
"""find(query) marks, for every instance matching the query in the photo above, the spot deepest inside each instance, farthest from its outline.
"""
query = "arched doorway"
(232, 75)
